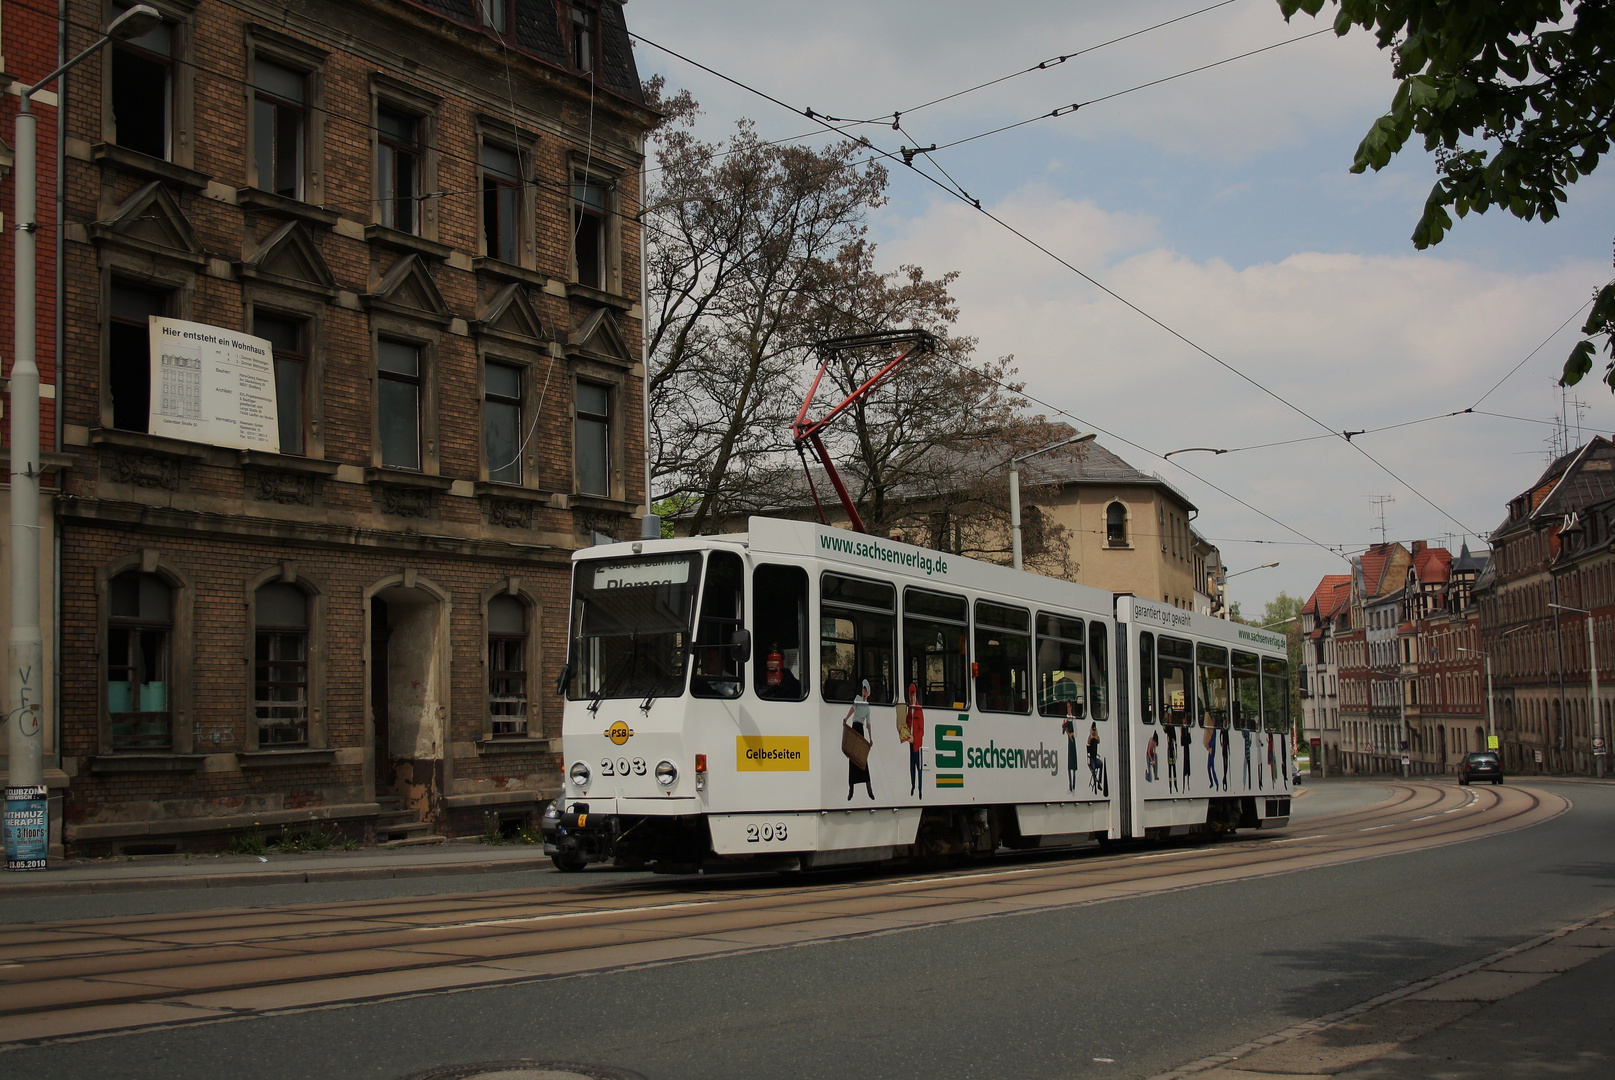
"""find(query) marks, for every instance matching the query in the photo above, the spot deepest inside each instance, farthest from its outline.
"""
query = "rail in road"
(71, 979)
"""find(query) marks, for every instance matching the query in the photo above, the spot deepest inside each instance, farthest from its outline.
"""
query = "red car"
(1480, 766)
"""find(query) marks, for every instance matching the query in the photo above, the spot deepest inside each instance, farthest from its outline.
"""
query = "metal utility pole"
(25, 794)
(1491, 698)
(1015, 490)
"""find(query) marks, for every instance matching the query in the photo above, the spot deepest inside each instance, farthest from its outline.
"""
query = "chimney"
(1418, 546)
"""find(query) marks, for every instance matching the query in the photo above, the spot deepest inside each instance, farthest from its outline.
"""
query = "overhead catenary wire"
(1196, 346)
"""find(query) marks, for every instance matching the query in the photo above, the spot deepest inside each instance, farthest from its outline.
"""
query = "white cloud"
(1358, 341)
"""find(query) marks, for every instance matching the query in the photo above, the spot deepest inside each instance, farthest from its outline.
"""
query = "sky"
(1219, 205)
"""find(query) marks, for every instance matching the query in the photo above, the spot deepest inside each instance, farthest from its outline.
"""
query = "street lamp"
(1592, 687)
(1015, 488)
(25, 648)
(1264, 566)
(1192, 450)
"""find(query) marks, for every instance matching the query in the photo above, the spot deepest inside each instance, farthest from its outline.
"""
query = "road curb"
(1229, 1059)
(266, 877)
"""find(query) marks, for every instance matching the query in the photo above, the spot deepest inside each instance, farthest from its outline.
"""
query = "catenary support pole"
(1015, 511)
(1597, 725)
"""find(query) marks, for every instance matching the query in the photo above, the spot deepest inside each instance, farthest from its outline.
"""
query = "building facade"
(1325, 621)
(426, 209)
(1552, 565)
(1443, 685)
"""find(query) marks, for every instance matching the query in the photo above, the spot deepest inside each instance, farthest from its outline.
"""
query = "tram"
(800, 696)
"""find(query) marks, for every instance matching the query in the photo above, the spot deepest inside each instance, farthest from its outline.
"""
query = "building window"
(288, 337)
(129, 354)
(398, 403)
(501, 202)
(143, 89)
(398, 169)
(589, 233)
(502, 422)
(507, 665)
(593, 439)
(583, 38)
(495, 14)
(1116, 525)
(139, 626)
(279, 111)
(280, 684)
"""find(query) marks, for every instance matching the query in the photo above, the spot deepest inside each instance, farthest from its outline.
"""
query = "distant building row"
(1397, 651)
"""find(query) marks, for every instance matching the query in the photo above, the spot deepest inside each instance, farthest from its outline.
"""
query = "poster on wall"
(212, 385)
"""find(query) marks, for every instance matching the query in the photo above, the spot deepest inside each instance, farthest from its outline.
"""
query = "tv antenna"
(1379, 502)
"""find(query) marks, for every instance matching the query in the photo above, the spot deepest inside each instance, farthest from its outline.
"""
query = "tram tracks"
(68, 979)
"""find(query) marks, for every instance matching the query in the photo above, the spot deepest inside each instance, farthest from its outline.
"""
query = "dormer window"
(495, 14)
(583, 38)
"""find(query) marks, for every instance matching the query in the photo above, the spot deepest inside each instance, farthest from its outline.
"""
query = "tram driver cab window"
(780, 607)
(720, 668)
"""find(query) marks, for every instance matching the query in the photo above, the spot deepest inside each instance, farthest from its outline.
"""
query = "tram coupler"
(573, 836)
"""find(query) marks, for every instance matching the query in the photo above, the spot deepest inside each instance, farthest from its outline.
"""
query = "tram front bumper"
(573, 833)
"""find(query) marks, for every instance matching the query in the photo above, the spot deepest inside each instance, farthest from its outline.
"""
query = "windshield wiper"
(623, 668)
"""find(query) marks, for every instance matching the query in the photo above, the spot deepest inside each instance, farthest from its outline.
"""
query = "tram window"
(1213, 685)
(1099, 670)
(1061, 662)
(631, 625)
(857, 638)
(1003, 658)
(1176, 662)
(717, 672)
(936, 647)
(1275, 695)
(779, 603)
(1247, 692)
(1146, 677)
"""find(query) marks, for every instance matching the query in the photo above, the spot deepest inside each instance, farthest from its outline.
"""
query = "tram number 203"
(622, 767)
(765, 833)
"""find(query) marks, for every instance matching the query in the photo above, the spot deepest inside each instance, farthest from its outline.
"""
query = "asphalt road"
(1148, 982)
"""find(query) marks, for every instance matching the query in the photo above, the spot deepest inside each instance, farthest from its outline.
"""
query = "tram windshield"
(631, 622)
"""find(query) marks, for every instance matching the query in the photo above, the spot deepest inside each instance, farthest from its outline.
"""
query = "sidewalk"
(159, 872)
(1543, 1008)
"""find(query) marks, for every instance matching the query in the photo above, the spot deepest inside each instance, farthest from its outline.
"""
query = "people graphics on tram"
(1171, 760)
(916, 743)
(1247, 735)
(1272, 760)
(1097, 781)
(858, 715)
(1068, 728)
(1225, 750)
(1152, 766)
(1188, 747)
(1210, 740)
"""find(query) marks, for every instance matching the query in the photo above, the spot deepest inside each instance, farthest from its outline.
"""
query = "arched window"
(280, 681)
(139, 628)
(507, 666)
(1116, 525)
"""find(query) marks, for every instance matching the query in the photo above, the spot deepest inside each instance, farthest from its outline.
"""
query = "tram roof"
(859, 552)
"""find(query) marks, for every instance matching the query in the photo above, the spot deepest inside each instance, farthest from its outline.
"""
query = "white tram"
(803, 696)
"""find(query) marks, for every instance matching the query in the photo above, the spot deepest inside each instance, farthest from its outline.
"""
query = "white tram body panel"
(1209, 719)
(678, 734)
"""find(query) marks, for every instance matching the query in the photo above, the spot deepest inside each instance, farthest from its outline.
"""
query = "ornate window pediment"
(408, 289)
(510, 314)
(289, 256)
(150, 220)
(600, 338)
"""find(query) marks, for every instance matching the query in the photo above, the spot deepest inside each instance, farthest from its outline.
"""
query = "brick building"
(1443, 683)
(1370, 670)
(1325, 620)
(1554, 548)
(29, 52)
(426, 209)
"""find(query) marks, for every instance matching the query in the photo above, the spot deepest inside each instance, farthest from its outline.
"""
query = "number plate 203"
(752, 834)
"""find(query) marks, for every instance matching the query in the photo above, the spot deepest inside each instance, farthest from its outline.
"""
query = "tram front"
(635, 646)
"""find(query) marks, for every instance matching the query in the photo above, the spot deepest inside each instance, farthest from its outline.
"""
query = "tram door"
(1122, 799)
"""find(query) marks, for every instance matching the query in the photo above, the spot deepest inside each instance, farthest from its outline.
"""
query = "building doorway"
(409, 696)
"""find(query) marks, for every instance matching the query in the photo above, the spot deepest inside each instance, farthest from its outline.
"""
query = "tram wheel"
(570, 865)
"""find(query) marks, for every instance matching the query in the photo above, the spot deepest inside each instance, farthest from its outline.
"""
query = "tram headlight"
(579, 774)
(667, 773)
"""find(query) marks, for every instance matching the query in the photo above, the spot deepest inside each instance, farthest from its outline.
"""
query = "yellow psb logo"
(619, 733)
